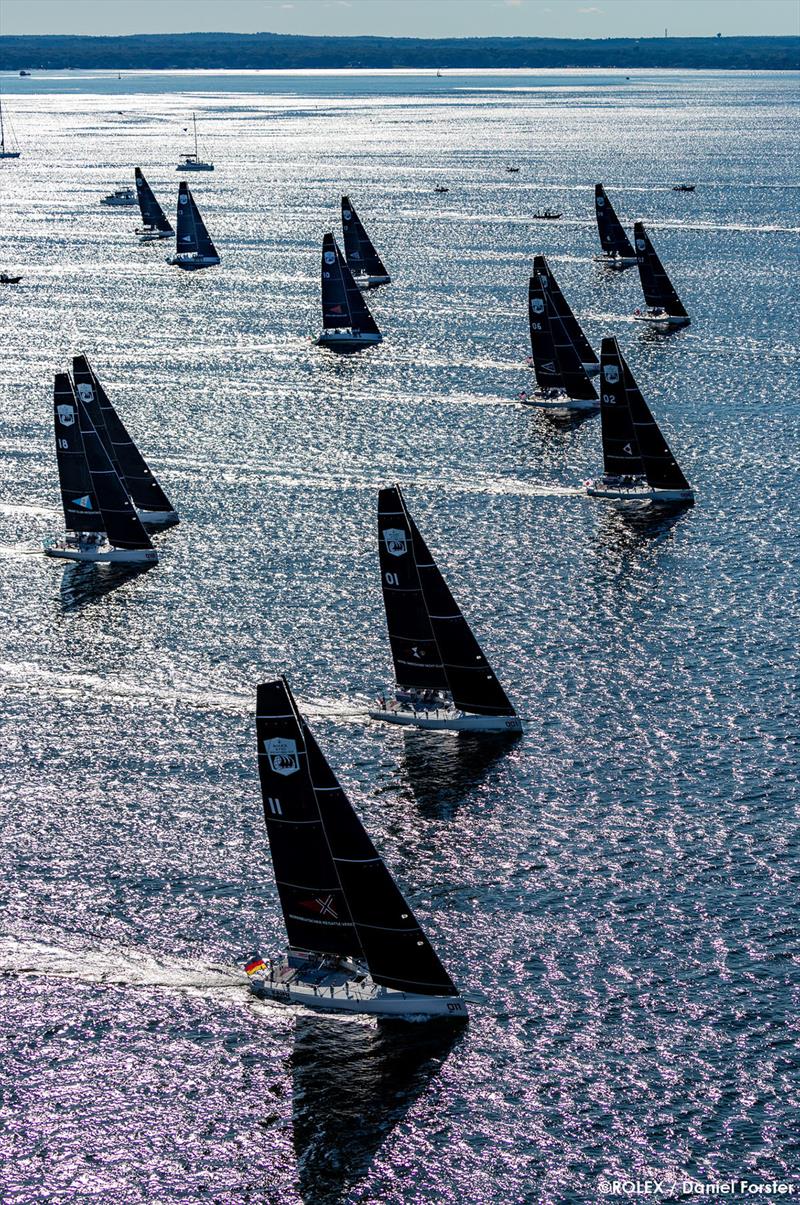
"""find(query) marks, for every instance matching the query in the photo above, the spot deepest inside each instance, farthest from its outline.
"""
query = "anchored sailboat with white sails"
(9, 147)
(664, 306)
(191, 161)
(355, 946)
(100, 519)
(155, 224)
(367, 267)
(444, 680)
(617, 249)
(637, 462)
(561, 377)
(347, 324)
(193, 246)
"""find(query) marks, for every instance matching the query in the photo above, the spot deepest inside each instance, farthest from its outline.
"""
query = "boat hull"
(349, 998)
(442, 722)
(154, 236)
(633, 493)
(102, 556)
(347, 340)
(158, 518)
(371, 282)
(661, 319)
(616, 261)
(10, 154)
(195, 167)
(562, 403)
(193, 263)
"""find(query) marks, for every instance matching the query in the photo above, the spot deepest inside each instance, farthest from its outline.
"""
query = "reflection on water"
(442, 769)
(628, 534)
(83, 584)
(352, 1082)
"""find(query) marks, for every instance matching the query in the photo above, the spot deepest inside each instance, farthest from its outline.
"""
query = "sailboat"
(152, 504)
(191, 161)
(617, 249)
(443, 678)
(100, 519)
(8, 149)
(637, 462)
(193, 246)
(561, 306)
(664, 306)
(362, 259)
(562, 380)
(155, 222)
(355, 946)
(347, 323)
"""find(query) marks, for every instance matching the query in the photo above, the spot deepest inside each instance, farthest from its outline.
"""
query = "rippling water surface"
(622, 883)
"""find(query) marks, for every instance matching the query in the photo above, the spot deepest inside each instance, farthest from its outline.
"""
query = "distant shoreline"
(267, 51)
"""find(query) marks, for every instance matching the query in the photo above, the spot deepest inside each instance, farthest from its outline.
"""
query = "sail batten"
(613, 238)
(359, 912)
(360, 253)
(562, 308)
(659, 291)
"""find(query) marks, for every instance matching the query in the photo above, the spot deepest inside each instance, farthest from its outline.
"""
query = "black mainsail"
(81, 512)
(122, 525)
(659, 292)
(359, 250)
(468, 676)
(192, 237)
(542, 350)
(337, 896)
(153, 215)
(660, 466)
(613, 238)
(127, 460)
(621, 455)
(342, 302)
(569, 365)
(542, 269)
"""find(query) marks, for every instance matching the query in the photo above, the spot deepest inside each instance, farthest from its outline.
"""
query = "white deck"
(447, 720)
(636, 493)
(102, 554)
(344, 989)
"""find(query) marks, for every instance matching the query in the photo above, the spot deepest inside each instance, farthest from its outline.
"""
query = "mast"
(2, 130)
(127, 460)
(659, 292)
(542, 350)
(621, 455)
(613, 238)
(81, 512)
(570, 367)
(122, 525)
(660, 466)
(562, 309)
(192, 235)
(342, 302)
(194, 123)
(359, 249)
(417, 661)
(152, 213)
(336, 893)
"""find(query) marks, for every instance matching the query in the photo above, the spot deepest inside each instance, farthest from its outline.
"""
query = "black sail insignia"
(660, 466)
(417, 663)
(342, 303)
(192, 236)
(126, 458)
(326, 866)
(613, 238)
(543, 352)
(470, 677)
(659, 292)
(621, 456)
(542, 269)
(121, 523)
(153, 215)
(81, 512)
(359, 250)
(568, 362)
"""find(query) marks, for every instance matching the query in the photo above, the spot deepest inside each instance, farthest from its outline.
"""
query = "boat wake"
(133, 968)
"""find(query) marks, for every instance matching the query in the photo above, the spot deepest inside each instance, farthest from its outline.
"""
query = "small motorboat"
(509, 168)
(546, 215)
(5, 279)
(683, 187)
(24, 72)
(120, 197)
(441, 188)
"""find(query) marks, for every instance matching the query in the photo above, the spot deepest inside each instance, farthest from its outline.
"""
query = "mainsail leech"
(153, 215)
(613, 238)
(360, 253)
(342, 302)
(659, 291)
(564, 312)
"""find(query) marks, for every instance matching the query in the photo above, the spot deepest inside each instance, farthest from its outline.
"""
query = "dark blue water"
(622, 884)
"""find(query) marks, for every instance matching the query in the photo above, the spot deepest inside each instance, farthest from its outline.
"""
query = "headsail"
(562, 309)
(121, 523)
(153, 215)
(126, 458)
(417, 663)
(193, 238)
(336, 893)
(81, 512)
(542, 350)
(467, 673)
(569, 364)
(360, 253)
(656, 285)
(621, 456)
(660, 466)
(613, 238)
(342, 302)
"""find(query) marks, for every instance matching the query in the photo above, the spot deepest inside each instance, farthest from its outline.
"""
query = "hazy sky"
(417, 18)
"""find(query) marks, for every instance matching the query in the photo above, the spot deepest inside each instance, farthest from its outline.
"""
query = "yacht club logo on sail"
(611, 373)
(66, 415)
(395, 539)
(282, 754)
(330, 257)
(86, 393)
(537, 305)
(347, 214)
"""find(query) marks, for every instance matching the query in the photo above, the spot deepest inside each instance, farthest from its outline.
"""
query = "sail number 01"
(391, 579)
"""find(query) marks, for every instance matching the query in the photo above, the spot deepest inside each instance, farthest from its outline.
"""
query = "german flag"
(255, 964)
